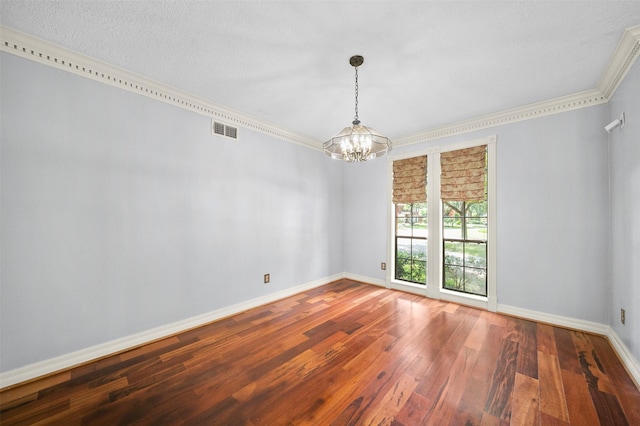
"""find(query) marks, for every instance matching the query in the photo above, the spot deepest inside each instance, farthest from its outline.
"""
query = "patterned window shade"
(410, 180)
(463, 174)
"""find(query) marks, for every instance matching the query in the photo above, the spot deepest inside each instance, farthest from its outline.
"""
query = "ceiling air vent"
(224, 130)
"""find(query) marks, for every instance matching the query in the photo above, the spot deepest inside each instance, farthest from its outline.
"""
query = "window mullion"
(434, 239)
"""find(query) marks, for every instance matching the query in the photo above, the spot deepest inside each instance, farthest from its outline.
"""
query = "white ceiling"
(427, 63)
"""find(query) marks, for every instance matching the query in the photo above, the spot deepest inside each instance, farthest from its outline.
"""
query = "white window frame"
(434, 288)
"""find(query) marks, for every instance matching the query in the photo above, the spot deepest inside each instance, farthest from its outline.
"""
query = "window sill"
(481, 302)
(409, 287)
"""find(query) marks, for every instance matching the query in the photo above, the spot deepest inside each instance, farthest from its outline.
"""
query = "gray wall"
(624, 148)
(121, 214)
(552, 201)
(365, 218)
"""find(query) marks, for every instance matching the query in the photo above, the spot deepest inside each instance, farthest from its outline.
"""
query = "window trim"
(434, 288)
(412, 237)
(391, 281)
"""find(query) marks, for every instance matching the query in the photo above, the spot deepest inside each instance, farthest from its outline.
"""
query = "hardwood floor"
(345, 353)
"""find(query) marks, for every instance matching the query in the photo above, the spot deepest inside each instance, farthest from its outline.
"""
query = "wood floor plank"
(477, 335)
(471, 406)
(392, 402)
(375, 362)
(490, 420)
(579, 404)
(566, 350)
(502, 382)
(413, 411)
(445, 405)
(525, 401)
(552, 396)
(445, 351)
(527, 362)
(549, 420)
(31, 414)
(21, 394)
(364, 382)
(590, 364)
(626, 389)
(546, 339)
(344, 353)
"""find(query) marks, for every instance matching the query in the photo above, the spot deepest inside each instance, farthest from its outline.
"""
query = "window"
(411, 242)
(464, 220)
(410, 219)
(445, 248)
(464, 230)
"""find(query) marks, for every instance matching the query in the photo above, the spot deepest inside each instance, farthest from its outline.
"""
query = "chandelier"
(357, 143)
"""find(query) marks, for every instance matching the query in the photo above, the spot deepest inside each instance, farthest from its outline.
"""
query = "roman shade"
(462, 174)
(410, 180)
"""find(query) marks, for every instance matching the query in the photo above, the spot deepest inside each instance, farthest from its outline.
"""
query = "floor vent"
(224, 130)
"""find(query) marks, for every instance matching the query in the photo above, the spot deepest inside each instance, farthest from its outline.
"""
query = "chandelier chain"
(356, 120)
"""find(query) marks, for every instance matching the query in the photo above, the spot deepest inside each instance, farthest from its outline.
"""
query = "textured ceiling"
(427, 64)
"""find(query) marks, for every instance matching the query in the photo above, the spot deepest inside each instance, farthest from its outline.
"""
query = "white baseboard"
(365, 279)
(567, 322)
(69, 360)
(630, 363)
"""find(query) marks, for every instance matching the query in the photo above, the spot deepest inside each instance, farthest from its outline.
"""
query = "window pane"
(477, 229)
(420, 228)
(452, 208)
(420, 209)
(453, 277)
(452, 228)
(419, 272)
(403, 248)
(403, 210)
(403, 269)
(419, 249)
(476, 209)
(453, 253)
(475, 255)
(475, 281)
(403, 229)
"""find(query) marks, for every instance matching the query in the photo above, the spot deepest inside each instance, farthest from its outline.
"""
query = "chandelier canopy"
(356, 143)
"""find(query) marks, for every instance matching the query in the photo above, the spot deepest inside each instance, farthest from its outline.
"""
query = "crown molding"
(539, 109)
(621, 62)
(29, 47)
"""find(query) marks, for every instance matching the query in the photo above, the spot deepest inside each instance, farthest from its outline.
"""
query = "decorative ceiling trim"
(540, 109)
(622, 60)
(29, 47)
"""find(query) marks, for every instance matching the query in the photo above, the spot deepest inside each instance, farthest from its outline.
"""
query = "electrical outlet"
(383, 266)
(267, 278)
(622, 316)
